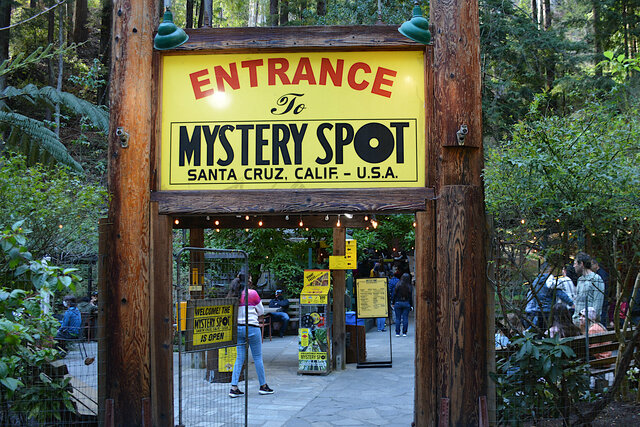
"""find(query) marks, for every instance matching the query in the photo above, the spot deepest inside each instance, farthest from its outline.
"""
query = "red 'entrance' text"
(359, 76)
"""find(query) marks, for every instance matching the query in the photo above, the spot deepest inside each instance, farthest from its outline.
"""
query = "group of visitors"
(571, 304)
(581, 286)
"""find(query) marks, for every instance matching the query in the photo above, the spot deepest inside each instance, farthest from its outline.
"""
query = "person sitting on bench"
(71, 322)
(281, 315)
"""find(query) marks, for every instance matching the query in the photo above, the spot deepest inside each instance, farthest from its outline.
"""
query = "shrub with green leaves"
(540, 379)
(28, 388)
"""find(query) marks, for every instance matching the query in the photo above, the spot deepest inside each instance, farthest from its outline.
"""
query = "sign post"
(373, 302)
(288, 121)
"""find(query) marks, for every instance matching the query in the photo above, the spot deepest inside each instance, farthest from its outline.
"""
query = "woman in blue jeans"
(402, 303)
(248, 320)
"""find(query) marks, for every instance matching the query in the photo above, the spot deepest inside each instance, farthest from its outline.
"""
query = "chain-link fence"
(205, 349)
(49, 341)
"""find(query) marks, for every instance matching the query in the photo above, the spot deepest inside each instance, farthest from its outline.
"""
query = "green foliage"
(393, 233)
(515, 54)
(282, 252)
(20, 61)
(61, 209)
(27, 133)
(541, 378)
(579, 172)
(26, 330)
(620, 67)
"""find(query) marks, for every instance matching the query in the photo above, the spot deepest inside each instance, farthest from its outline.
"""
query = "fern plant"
(25, 133)
(21, 131)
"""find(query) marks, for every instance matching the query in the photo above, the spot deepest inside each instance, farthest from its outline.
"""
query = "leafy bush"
(59, 208)
(541, 378)
(27, 386)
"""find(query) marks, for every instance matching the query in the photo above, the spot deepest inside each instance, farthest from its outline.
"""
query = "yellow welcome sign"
(293, 120)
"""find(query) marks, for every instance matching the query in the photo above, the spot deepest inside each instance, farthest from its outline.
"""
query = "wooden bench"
(293, 311)
(598, 343)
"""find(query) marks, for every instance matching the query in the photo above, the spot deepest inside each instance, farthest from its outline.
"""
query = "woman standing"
(402, 303)
(248, 315)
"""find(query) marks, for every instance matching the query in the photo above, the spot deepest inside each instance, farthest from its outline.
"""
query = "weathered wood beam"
(336, 201)
(378, 37)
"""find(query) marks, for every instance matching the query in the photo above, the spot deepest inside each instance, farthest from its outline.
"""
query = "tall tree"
(5, 22)
(273, 13)
(189, 15)
(105, 47)
(284, 12)
(80, 30)
(321, 7)
(597, 36)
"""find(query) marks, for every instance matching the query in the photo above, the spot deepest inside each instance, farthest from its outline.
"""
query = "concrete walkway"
(352, 397)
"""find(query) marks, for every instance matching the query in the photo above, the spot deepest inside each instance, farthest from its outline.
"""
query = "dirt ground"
(623, 414)
(619, 414)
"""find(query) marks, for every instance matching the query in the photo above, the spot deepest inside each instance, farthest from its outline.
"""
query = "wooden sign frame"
(270, 202)
(135, 378)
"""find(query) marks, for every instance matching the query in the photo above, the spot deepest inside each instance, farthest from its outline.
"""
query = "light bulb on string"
(338, 223)
(217, 222)
(260, 223)
(177, 221)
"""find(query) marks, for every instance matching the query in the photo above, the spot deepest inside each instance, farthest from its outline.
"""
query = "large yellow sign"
(293, 120)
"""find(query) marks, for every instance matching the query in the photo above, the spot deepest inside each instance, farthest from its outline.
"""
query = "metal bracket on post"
(123, 137)
(462, 134)
(443, 412)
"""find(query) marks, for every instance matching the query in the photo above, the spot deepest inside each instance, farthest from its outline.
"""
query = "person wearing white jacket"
(248, 320)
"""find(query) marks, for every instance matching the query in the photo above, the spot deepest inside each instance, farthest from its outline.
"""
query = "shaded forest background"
(560, 86)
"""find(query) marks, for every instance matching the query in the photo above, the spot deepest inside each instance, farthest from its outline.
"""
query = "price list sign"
(211, 323)
(372, 297)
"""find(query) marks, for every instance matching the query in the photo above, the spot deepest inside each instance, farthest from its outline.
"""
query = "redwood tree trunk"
(105, 47)
(5, 21)
(80, 31)
(284, 12)
(189, 17)
(273, 13)
(597, 36)
(534, 10)
(321, 8)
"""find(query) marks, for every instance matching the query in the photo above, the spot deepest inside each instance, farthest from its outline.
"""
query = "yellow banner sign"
(372, 297)
(226, 359)
(293, 120)
(316, 287)
(212, 324)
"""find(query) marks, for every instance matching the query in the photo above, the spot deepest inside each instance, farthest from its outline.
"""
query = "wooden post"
(339, 288)
(127, 379)
(196, 280)
(162, 318)
(461, 302)
(456, 162)
(425, 356)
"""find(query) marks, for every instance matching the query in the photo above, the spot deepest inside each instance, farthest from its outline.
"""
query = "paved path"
(353, 397)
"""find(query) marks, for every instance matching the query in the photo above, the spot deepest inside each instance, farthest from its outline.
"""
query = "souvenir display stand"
(314, 333)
